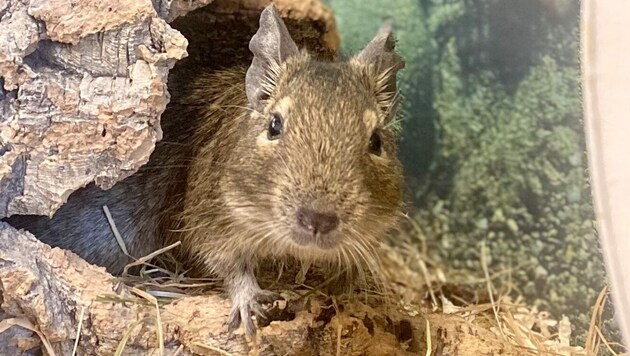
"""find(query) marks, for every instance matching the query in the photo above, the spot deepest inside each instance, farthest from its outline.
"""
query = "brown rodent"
(291, 157)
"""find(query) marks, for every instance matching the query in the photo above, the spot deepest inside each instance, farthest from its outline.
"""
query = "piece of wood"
(83, 91)
(50, 286)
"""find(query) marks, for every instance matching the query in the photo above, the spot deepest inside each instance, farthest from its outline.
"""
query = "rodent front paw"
(247, 304)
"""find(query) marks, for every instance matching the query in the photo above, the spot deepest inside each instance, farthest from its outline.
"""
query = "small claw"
(250, 328)
(242, 313)
(234, 320)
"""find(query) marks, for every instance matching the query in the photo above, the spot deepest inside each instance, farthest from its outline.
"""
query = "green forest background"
(492, 141)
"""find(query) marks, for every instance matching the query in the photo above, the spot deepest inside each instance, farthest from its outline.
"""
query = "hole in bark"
(369, 325)
(328, 312)
(536, 328)
(403, 331)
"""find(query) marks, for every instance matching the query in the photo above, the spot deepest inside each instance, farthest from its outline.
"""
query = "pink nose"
(317, 222)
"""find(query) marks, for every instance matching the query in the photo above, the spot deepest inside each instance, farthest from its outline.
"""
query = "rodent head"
(320, 175)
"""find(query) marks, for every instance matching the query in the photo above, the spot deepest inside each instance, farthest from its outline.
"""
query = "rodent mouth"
(317, 240)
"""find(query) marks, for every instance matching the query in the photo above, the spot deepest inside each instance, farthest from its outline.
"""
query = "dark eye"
(275, 127)
(375, 144)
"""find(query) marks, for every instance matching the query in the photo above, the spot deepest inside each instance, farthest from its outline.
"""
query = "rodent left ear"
(271, 45)
(380, 60)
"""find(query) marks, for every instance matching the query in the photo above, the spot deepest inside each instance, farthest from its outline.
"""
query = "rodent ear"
(271, 46)
(381, 61)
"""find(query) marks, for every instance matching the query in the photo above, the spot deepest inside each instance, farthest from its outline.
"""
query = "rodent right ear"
(271, 45)
(383, 63)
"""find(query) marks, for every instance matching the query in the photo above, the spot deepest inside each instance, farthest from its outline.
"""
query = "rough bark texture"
(84, 87)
